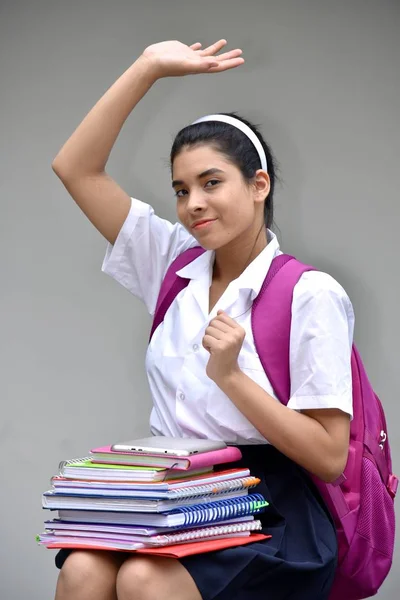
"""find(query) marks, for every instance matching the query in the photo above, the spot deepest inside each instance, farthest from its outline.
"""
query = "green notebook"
(87, 463)
(84, 468)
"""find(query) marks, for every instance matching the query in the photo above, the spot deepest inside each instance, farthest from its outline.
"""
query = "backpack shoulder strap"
(172, 284)
(271, 320)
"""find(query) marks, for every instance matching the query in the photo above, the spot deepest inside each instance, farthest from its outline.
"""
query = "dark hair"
(236, 146)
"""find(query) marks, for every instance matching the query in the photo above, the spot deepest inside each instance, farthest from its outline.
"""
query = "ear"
(262, 185)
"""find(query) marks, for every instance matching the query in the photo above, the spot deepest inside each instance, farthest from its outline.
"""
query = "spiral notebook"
(197, 514)
(58, 526)
(104, 501)
(171, 492)
(169, 484)
(134, 542)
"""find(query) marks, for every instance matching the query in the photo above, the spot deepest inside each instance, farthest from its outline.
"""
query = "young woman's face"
(213, 201)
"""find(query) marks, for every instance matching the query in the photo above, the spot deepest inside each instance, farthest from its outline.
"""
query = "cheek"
(240, 214)
(181, 213)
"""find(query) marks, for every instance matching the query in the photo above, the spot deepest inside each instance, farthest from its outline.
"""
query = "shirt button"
(195, 347)
(181, 396)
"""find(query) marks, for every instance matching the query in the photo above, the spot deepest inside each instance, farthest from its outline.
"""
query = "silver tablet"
(168, 445)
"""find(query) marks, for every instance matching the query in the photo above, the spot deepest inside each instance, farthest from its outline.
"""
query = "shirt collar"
(252, 277)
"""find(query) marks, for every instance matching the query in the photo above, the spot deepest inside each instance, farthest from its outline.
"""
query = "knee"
(84, 570)
(136, 578)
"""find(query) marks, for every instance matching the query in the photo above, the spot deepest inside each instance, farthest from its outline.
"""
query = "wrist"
(231, 380)
(150, 66)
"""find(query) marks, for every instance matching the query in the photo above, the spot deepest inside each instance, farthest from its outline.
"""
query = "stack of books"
(156, 504)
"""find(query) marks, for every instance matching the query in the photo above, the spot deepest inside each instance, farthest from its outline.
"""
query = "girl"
(205, 376)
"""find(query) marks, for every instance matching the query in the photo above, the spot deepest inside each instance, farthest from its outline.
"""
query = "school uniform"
(299, 560)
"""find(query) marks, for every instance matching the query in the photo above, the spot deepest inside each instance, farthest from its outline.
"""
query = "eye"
(181, 193)
(213, 181)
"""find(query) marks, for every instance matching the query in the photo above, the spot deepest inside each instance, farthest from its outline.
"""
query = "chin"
(210, 244)
(211, 240)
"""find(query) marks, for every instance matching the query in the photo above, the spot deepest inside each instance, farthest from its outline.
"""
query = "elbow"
(68, 172)
(331, 470)
(329, 476)
(63, 172)
(58, 169)
(63, 166)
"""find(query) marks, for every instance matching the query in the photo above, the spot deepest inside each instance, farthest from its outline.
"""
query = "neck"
(231, 260)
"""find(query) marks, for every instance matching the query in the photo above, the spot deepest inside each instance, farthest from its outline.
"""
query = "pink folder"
(176, 550)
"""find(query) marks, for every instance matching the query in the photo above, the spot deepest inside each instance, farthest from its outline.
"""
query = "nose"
(196, 202)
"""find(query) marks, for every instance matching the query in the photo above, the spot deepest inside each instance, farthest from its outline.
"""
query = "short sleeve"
(146, 245)
(320, 344)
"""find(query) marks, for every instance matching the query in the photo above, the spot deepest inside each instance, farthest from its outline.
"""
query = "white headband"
(244, 128)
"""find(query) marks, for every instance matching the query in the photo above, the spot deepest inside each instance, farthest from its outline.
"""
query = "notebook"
(181, 550)
(105, 455)
(84, 468)
(164, 486)
(104, 501)
(179, 517)
(134, 542)
(58, 526)
(192, 489)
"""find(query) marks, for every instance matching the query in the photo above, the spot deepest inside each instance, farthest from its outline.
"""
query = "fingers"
(222, 323)
(209, 343)
(221, 328)
(212, 62)
(211, 50)
(218, 324)
(222, 62)
(228, 55)
(214, 332)
(223, 318)
(223, 334)
(216, 47)
(226, 65)
(202, 64)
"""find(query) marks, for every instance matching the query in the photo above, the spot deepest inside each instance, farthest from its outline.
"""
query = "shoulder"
(317, 290)
(319, 284)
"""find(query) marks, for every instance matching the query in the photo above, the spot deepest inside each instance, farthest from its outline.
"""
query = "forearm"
(298, 436)
(88, 149)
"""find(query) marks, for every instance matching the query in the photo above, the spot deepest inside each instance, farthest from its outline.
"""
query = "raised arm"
(81, 162)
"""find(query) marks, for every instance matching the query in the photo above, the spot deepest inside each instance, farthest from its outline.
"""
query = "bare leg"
(155, 578)
(89, 575)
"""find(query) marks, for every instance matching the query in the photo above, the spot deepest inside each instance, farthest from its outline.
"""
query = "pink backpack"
(361, 501)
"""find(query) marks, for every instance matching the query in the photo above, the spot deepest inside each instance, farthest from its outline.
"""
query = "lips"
(202, 223)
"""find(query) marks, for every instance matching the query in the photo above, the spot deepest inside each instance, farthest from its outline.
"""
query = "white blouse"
(186, 403)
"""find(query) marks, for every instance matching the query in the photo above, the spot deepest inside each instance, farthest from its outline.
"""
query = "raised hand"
(174, 59)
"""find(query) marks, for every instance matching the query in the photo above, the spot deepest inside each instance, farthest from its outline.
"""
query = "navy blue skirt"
(297, 563)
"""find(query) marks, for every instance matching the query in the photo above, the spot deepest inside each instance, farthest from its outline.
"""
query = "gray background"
(321, 77)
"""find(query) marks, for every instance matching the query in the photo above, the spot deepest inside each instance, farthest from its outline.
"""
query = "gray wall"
(321, 77)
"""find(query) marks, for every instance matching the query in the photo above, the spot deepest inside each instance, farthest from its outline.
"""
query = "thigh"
(149, 577)
(89, 574)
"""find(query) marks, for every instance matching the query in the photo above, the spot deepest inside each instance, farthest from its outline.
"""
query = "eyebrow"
(200, 176)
